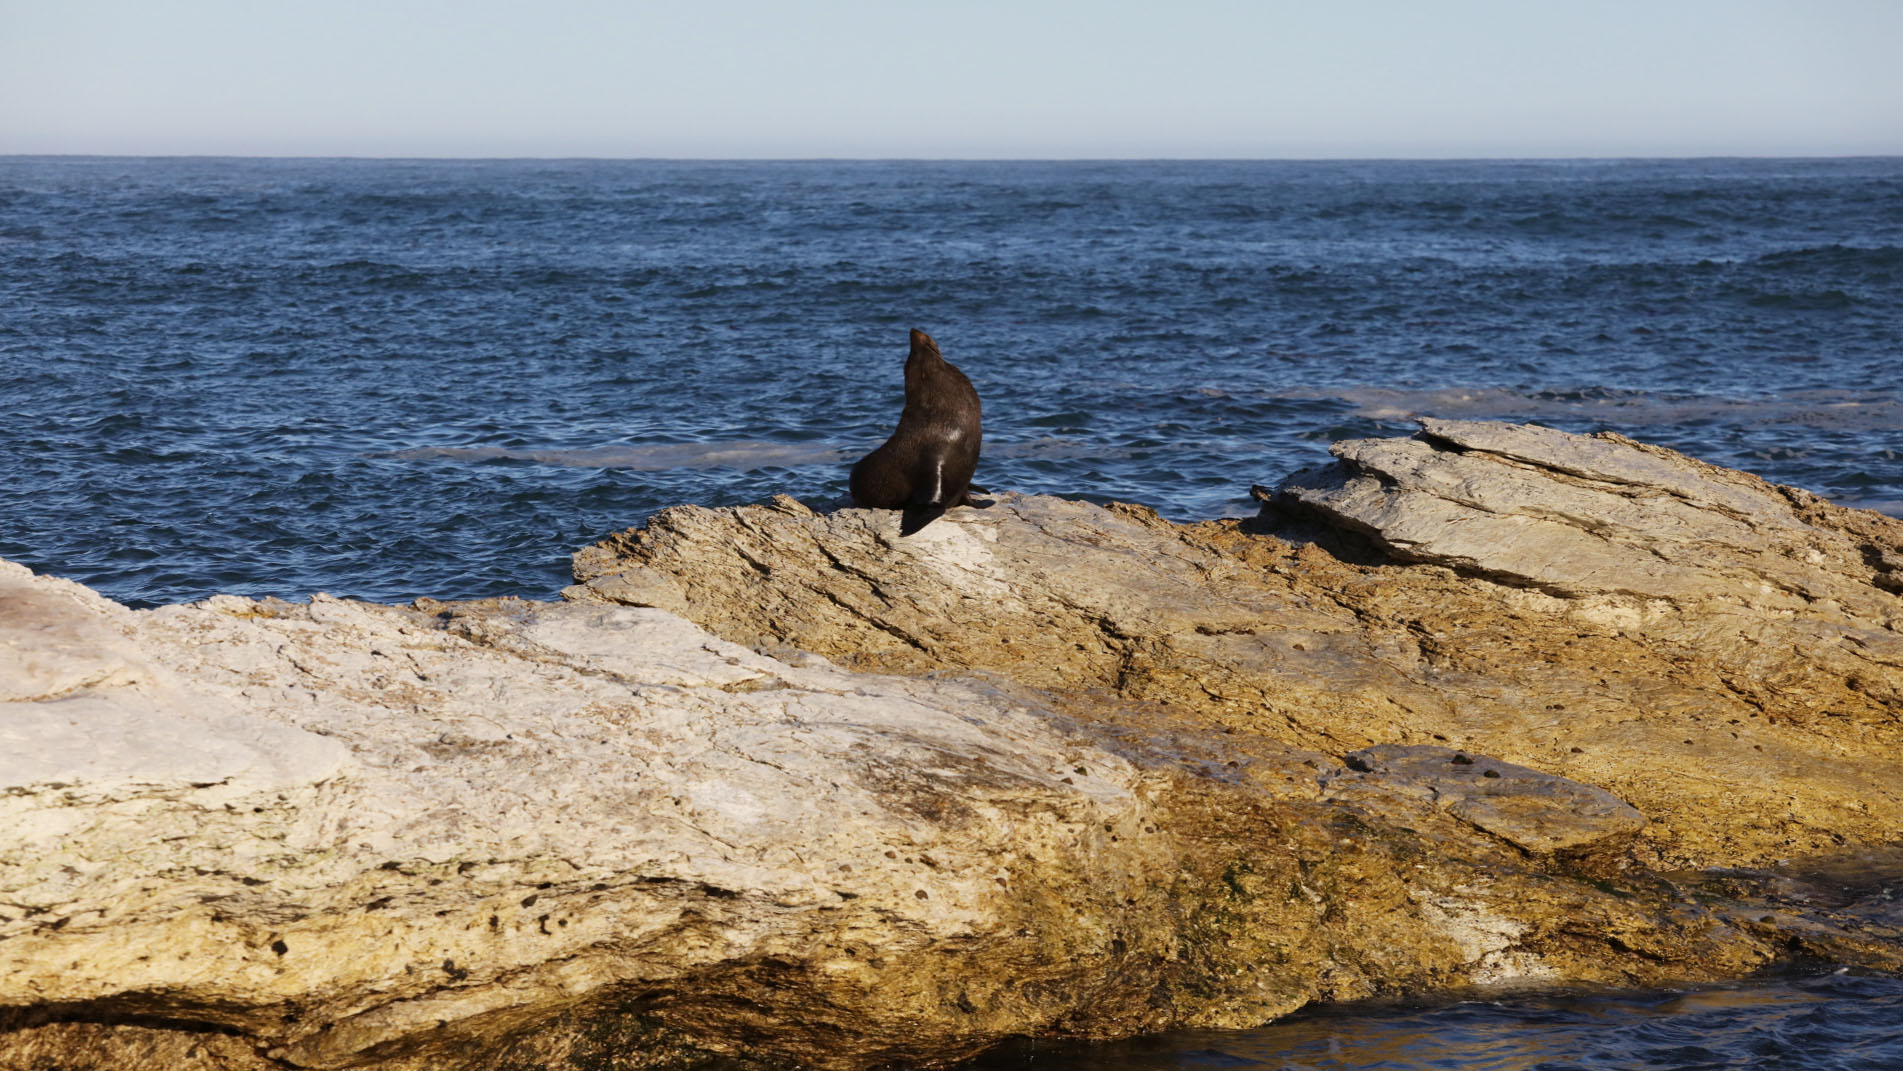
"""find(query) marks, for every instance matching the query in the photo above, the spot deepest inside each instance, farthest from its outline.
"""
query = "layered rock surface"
(1724, 654)
(1136, 775)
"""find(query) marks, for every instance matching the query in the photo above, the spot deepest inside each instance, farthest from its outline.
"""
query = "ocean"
(387, 379)
(1820, 1022)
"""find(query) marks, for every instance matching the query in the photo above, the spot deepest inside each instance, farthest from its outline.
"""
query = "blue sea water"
(387, 379)
(1834, 1022)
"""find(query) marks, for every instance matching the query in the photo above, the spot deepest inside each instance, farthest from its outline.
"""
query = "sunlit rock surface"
(1060, 770)
(1723, 654)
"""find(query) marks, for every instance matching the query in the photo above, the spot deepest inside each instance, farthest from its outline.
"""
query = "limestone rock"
(1138, 776)
(1721, 653)
(516, 834)
(1578, 516)
(1536, 811)
(49, 649)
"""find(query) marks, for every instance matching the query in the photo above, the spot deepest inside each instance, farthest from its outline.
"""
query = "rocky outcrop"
(1725, 655)
(1578, 517)
(1128, 776)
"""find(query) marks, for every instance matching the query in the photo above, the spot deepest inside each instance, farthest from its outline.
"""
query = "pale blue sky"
(1058, 79)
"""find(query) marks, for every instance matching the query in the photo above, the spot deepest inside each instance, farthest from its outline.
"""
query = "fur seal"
(925, 467)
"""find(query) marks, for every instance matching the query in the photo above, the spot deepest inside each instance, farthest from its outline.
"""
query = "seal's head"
(924, 354)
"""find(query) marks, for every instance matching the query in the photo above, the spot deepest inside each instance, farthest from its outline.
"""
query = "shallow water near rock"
(1833, 1022)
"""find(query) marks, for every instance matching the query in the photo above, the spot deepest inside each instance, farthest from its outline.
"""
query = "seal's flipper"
(967, 500)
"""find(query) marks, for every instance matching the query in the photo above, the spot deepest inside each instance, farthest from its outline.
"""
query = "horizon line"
(1543, 158)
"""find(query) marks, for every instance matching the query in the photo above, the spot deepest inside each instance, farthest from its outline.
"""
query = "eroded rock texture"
(1724, 654)
(1135, 776)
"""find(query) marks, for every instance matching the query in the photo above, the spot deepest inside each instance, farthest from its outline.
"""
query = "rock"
(1578, 516)
(1536, 811)
(1719, 652)
(475, 835)
(1139, 776)
(89, 719)
(50, 649)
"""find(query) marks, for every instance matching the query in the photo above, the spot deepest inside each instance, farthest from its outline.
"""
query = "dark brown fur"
(928, 461)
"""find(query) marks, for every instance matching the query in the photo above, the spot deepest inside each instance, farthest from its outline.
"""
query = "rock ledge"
(1493, 706)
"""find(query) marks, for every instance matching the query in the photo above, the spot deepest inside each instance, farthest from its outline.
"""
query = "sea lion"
(925, 467)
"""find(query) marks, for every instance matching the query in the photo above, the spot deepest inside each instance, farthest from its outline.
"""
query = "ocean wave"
(1822, 409)
(644, 457)
(1890, 506)
(1834, 257)
(1803, 300)
(660, 457)
(1051, 448)
(371, 273)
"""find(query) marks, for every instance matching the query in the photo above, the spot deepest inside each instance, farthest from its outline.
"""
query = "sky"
(1049, 79)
